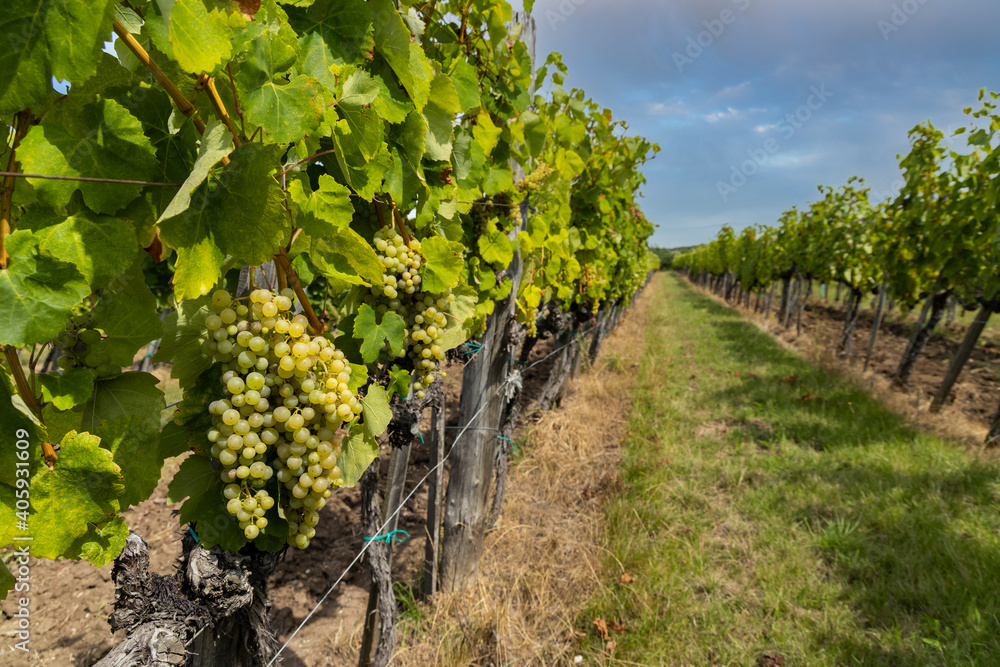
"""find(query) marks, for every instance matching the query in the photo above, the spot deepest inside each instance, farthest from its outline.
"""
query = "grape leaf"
(8, 520)
(407, 60)
(440, 113)
(100, 546)
(69, 238)
(399, 382)
(15, 421)
(343, 253)
(136, 449)
(205, 504)
(196, 270)
(392, 328)
(215, 145)
(38, 293)
(215, 225)
(403, 182)
(6, 581)
(363, 175)
(359, 377)
(184, 333)
(81, 489)
(377, 412)
(486, 133)
(359, 89)
(316, 61)
(466, 82)
(129, 317)
(364, 122)
(67, 389)
(356, 454)
(444, 264)
(191, 422)
(98, 140)
(286, 108)
(44, 39)
(391, 102)
(463, 309)
(132, 393)
(344, 26)
(495, 247)
(498, 179)
(59, 422)
(411, 137)
(324, 211)
(201, 37)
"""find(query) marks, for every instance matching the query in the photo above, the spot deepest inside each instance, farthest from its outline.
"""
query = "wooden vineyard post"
(481, 408)
(936, 304)
(435, 494)
(961, 356)
(378, 625)
(879, 312)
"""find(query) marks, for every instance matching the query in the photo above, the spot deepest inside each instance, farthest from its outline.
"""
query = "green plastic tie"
(389, 537)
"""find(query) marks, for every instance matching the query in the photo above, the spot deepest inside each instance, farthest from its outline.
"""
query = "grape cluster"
(508, 209)
(529, 318)
(84, 346)
(481, 211)
(287, 396)
(535, 179)
(425, 316)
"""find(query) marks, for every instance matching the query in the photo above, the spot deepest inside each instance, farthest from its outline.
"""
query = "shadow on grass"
(907, 524)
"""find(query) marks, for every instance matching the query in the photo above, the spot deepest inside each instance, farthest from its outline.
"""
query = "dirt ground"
(974, 399)
(71, 600)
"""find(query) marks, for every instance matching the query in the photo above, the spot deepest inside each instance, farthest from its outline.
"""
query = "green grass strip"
(773, 513)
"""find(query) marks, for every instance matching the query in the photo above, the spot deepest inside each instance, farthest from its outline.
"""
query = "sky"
(755, 103)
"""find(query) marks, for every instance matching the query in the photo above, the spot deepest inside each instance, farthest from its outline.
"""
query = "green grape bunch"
(287, 399)
(481, 213)
(425, 315)
(528, 316)
(84, 346)
(534, 181)
(508, 209)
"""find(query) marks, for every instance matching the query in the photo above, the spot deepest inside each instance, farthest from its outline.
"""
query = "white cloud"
(728, 114)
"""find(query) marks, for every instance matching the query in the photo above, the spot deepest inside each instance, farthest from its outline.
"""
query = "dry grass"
(541, 563)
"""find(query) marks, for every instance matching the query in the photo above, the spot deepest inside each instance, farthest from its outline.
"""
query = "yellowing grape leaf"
(443, 267)
(357, 453)
(82, 488)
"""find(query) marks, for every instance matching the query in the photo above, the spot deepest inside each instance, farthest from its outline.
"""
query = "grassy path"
(773, 514)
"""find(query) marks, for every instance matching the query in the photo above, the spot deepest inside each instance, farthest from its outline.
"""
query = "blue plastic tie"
(389, 537)
(193, 534)
(513, 448)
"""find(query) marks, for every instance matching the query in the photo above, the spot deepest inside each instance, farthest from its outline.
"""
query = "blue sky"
(756, 102)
